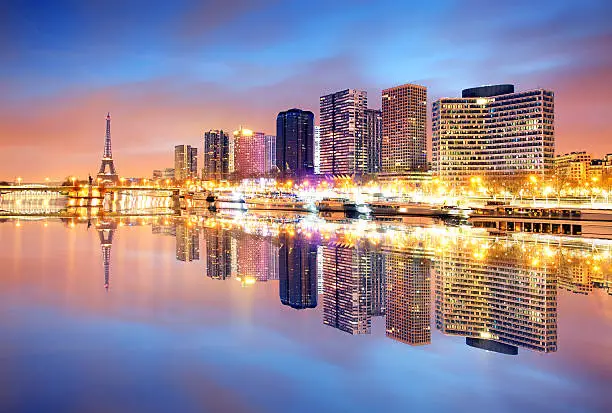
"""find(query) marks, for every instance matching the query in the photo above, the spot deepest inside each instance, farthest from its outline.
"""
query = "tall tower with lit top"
(107, 158)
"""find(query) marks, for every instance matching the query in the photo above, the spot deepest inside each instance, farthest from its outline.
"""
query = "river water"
(253, 314)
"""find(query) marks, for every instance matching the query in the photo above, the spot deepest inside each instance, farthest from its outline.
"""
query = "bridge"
(72, 188)
(75, 200)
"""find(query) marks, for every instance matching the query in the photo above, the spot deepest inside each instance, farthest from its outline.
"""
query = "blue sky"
(169, 70)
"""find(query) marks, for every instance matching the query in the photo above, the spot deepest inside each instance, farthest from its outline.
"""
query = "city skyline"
(165, 89)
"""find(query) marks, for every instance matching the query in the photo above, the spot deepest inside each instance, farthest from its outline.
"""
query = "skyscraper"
(193, 158)
(249, 154)
(297, 272)
(294, 143)
(404, 129)
(216, 156)
(317, 149)
(269, 155)
(185, 162)
(493, 132)
(374, 140)
(343, 130)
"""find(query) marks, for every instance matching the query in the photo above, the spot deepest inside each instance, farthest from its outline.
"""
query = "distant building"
(493, 132)
(574, 167)
(374, 140)
(168, 173)
(185, 162)
(249, 154)
(404, 129)
(317, 149)
(295, 143)
(216, 156)
(343, 132)
(600, 171)
(157, 174)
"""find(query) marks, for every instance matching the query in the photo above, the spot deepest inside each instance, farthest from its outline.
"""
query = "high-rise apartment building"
(493, 132)
(373, 140)
(404, 129)
(270, 155)
(216, 156)
(317, 149)
(185, 162)
(295, 143)
(343, 132)
(249, 154)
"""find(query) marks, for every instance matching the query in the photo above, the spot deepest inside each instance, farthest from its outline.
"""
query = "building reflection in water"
(218, 253)
(256, 258)
(347, 288)
(495, 292)
(408, 296)
(187, 241)
(297, 272)
(499, 292)
(106, 232)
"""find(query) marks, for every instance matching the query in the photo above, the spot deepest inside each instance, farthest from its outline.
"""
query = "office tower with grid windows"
(374, 140)
(495, 133)
(404, 129)
(317, 149)
(343, 132)
(185, 162)
(249, 154)
(295, 143)
(216, 156)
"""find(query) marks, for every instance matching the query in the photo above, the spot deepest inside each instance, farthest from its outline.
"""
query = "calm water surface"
(193, 315)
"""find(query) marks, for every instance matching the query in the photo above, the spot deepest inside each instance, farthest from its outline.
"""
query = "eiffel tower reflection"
(106, 231)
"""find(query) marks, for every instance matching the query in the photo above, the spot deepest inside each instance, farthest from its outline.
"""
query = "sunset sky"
(169, 71)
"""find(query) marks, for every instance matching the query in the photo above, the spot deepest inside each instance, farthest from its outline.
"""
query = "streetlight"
(18, 181)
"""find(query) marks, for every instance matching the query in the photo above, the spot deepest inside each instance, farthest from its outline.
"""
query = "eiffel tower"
(106, 231)
(107, 159)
